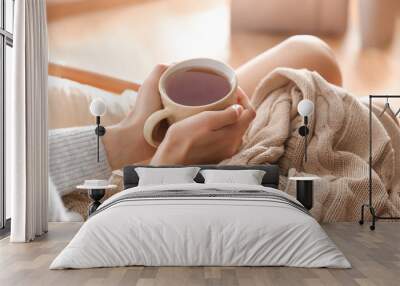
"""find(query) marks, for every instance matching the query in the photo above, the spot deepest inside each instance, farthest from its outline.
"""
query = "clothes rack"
(369, 205)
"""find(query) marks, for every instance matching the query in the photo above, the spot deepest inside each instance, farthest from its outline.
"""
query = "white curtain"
(26, 122)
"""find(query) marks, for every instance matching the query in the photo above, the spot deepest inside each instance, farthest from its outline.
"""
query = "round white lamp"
(305, 109)
(98, 109)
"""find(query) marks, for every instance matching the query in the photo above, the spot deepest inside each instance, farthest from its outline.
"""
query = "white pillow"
(69, 103)
(163, 176)
(248, 177)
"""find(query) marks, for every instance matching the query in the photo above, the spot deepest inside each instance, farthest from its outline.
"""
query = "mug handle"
(151, 122)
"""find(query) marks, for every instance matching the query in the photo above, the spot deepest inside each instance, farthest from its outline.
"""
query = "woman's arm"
(72, 158)
(124, 142)
(299, 52)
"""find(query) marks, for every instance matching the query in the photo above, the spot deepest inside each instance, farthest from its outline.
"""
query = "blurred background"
(125, 38)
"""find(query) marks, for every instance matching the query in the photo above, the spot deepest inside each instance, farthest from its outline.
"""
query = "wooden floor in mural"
(374, 255)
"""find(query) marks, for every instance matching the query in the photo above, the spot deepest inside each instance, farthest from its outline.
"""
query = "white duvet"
(192, 231)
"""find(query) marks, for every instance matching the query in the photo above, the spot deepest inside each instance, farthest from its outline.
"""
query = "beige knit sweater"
(338, 144)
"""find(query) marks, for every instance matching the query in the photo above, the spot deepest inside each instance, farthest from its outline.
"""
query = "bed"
(201, 224)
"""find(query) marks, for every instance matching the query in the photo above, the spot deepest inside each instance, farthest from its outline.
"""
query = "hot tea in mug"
(196, 86)
(191, 87)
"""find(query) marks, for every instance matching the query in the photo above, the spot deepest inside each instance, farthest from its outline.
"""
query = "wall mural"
(139, 84)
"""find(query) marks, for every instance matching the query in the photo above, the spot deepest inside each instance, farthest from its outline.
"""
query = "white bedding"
(183, 231)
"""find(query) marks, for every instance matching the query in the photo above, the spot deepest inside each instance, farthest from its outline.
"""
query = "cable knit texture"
(73, 158)
(338, 148)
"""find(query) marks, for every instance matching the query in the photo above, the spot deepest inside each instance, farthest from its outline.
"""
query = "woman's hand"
(207, 137)
(124, 143)
(148, 100)
(204, 138)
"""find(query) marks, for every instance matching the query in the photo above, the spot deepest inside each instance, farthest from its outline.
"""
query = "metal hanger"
(386, 107)
(397, 113)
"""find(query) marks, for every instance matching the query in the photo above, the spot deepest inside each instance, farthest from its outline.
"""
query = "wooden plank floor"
(375, 257)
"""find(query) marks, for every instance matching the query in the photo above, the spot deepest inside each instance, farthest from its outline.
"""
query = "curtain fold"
(26, 121)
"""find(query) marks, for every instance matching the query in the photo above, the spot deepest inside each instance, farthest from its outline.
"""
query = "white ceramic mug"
(173, 111)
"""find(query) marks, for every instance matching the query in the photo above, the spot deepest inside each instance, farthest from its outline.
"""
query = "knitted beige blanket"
(338, 145)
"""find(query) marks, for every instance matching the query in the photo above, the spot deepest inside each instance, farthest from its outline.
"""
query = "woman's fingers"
(158, 70)
(148, 100)
(247, 117)
(214, 120)
(153, 78)
(243, 99)
(219, 119)
(240, 127)
(249, 113)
